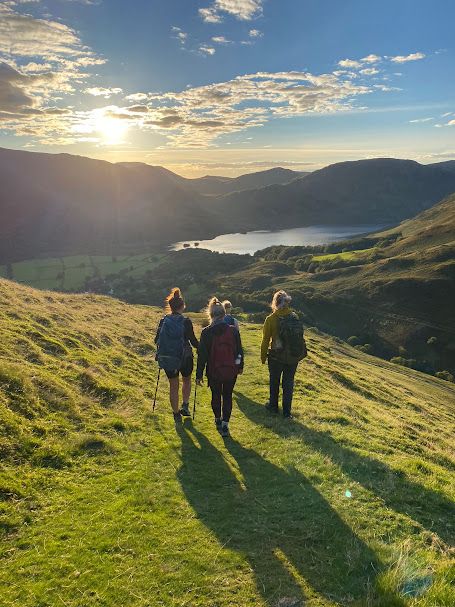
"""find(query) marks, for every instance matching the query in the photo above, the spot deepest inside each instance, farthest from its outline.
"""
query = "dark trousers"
(281, 373)
(222, 398)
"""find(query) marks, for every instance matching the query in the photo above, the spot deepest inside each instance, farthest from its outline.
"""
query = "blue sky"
(229, 86)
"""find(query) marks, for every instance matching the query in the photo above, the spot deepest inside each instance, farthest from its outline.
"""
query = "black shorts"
(186, 369)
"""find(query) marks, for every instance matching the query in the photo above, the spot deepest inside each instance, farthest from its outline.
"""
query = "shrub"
(353, 340)
(445, 375)
(432, 340)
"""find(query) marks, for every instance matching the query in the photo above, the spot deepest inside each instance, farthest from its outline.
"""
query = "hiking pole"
(194, 401)
(156, 389)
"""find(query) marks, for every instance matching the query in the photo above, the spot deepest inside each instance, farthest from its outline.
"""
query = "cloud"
(244, 10)
(349, 63)
(371, 59)
(369, 71)
(99, 91)
(220, 40)
(197, 116)
(41, 62)
(419, 120)
(254, 33)
(451, 123)
(179, 34)
(207, 50)
(137, 97)
(406, 58)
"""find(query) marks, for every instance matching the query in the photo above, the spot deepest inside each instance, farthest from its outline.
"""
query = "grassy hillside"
(104, 503)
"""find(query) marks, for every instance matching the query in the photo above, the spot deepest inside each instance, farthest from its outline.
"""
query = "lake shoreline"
(250, 242)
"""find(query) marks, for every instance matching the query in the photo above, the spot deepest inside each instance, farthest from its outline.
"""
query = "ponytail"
(174, 301)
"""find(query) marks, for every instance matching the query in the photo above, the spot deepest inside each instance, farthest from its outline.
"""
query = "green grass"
(70, 273)
(345, 255)
(103, 502)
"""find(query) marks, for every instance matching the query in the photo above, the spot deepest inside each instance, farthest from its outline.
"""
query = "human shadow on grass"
(430, 509)
(278, 521)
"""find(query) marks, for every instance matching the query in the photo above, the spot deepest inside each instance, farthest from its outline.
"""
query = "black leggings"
(222, 391)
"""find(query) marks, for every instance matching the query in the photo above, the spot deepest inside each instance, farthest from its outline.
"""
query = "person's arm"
(240, 350)
(202, 354)
(157, 336)
(266, 335)
(189, 333)
(236, 324)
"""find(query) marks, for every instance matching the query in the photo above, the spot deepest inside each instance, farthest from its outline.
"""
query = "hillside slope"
(55, 205)
(380, 190)
(102, 502)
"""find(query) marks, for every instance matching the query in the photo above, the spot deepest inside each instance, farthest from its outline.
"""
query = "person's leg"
(288, 388)
(186, 371)
(174, 393)
(215, 387)
(186, 392)
(275, 370)
(227, 389)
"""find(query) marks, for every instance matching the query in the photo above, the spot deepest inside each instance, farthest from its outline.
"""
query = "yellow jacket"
(270, 331)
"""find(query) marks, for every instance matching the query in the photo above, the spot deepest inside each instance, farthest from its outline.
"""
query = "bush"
(353, 340)
(432, 340)
(445, 375)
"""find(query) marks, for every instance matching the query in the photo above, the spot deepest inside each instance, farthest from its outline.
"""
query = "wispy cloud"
(206, 50)
(254, 33)
(220, 40)
(351, 63)
(419, 120)
(406, 58)
(100, 91)
(244, 10)
(371, 59)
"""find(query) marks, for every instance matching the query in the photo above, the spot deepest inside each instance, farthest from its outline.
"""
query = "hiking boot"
(224, 430)
(218, 424)
(288, 416)
(185, 410)
(178, 418)
(270, 408)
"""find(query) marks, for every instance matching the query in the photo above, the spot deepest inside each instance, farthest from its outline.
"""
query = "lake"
(250, 242)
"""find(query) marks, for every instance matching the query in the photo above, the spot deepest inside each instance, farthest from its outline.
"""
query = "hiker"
(283, 346)
(229, 319)
(174, 338)
(220, 351)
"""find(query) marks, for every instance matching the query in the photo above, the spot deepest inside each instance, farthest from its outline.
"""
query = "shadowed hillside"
(103, 502)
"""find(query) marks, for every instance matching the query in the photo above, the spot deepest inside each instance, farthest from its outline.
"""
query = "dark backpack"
(171, 342)
(229, 320)
(291, 335)
(222, 365)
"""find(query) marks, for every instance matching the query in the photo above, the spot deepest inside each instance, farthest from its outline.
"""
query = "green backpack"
(291, 336)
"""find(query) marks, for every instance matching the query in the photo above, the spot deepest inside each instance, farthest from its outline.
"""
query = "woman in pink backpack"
(220, 351)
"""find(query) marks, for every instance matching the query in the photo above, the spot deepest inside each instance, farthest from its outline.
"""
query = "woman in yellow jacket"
(280, 369)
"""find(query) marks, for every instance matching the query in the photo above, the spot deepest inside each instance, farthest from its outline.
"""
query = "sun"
(112, 130)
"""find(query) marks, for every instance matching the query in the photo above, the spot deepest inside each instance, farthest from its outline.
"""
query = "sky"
(229, 86)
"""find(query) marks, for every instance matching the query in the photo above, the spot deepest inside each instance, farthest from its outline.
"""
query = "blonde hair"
(227, 305)
(174, 301)
(280, 300)
(215, 309)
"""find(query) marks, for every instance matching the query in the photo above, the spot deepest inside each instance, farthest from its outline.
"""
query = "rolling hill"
(380, 190)
(103, 502)
(60, 205)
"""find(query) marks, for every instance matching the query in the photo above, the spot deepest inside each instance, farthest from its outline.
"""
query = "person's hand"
(199, 382)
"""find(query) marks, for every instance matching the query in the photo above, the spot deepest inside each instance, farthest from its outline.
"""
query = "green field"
(103, 502)
(70, 273)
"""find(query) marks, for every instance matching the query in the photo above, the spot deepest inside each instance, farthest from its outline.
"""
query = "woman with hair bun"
(174, 338)
(220, 351)
(283, 346)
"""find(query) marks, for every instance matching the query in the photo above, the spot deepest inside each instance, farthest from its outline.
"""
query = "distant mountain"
(224, 185)
(58, 204)
(382, 190)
